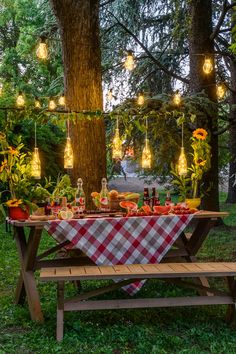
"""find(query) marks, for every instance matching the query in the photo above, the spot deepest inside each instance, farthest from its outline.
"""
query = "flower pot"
(193, 203)
(17, 213)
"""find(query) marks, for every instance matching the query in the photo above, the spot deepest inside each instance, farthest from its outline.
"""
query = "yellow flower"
(200, 134)
(14, 202)
(201, 162)
(13, 151)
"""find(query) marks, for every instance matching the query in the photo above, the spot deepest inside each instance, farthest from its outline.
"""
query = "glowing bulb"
(109, 95)
(117, 145)
(37, 103)
(129, 63)
(36, 165)
(51, 105)
(177, 98)
(220, 91)
(140, 99)
(42, 50)
(146, 155)
(207, 66)
(182, 163)
(68, 154)
(62, 100)
(1, 88)
(20, 101)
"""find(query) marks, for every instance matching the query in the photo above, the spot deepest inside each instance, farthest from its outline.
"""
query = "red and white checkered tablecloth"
(111, 241)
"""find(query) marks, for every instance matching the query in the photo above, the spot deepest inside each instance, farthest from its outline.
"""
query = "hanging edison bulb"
(51, 104)
(220, 91)
(1, 88)
(182, 163)
(117, 143)
(20, 101)
(42, 50)
(177, 98)
(146, 155)
(129, 63)
(37, 103)
(110, 95)
(140, 99)
(62, 100)
(207, 66)
(36, 165)
(68, 154)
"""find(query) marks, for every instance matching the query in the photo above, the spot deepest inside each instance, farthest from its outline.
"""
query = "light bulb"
(207, 66)
(117, 145)
(62, 100)
(140, 99)
(220, 91)
(68, 154)
(1, 88)
(36, 164)
(42, 50)
(109, 95)
(182, 163)
(146, 155)
(177, 98)
(51, 105)
(20, 101)
(129, 63)
(37, 103)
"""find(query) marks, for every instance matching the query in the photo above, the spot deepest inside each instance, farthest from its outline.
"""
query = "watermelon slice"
(161, 209)
(146, 208)
(125, 204)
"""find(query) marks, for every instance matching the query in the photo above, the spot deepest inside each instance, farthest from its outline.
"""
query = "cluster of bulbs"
(20, 102)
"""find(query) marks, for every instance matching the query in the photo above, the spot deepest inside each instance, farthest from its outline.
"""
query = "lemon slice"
(66, 215)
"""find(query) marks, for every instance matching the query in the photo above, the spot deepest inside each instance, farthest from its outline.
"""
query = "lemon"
(65, 214)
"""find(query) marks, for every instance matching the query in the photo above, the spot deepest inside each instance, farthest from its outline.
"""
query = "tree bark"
(79, 28)
(200, 42)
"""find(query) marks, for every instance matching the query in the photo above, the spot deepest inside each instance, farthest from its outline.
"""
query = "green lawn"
(181, 330)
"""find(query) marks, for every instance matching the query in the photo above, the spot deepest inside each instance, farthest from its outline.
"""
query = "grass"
(178, 330)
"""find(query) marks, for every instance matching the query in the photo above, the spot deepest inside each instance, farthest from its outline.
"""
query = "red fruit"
(161, 209)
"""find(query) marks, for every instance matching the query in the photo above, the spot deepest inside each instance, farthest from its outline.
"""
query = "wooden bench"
(126, 274)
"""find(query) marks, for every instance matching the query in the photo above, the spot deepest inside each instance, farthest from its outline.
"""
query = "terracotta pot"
(193, 203)
(17, 213)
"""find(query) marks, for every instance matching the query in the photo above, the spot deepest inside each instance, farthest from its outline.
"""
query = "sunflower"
(200, 134)
(13, 151)
(14, 202)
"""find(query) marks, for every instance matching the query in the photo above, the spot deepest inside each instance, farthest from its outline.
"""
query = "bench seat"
(126, 274)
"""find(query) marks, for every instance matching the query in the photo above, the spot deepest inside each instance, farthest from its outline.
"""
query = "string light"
(140, 99)
(129, 63)
(220, 91)
(37, 103)
(146, 154)
(20, 101)
(68, 152)
(117, 143)
(42, 50)
(1, 88)
(182, 162)
(207, 66)
(177, 98)
(51, 104)
(36, 164)
(62, 100)
(110, 95)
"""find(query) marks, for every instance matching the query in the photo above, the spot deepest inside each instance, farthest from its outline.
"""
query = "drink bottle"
(104, 196)
(155, 197)
(168, 199)
(80, 197)
(146, 198)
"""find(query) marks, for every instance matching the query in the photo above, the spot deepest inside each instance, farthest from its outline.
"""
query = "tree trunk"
(200, 42)
(79, 27)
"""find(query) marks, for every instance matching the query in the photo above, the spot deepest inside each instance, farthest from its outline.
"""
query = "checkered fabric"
(111, 241)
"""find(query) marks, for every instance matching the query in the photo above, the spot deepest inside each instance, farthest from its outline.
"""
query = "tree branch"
(225, 8)
(146, 50)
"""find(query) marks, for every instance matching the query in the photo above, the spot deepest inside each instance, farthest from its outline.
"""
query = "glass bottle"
(56, 207)
(104, 196)
(155, 197)
(80, 197)
(47, 207)
(146, 198)
(168, 199)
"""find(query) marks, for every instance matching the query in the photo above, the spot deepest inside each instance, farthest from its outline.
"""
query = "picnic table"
(107, 240)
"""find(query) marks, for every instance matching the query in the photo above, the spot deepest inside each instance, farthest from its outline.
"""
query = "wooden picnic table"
(186, 248)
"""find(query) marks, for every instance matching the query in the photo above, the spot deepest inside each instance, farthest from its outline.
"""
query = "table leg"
(27, 253)
(20, 291)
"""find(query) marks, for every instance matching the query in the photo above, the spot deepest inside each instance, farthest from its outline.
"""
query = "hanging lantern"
(207, 66)
(62, 100)
(129, 63)
(42, 50)
(20, 101)
(117, 143)
(220, 91)
(177, 98)
(51, 104)
(182, 163)
(140, 99)
(37, 103)
(109, 95)
(35, 163)
(68, 155)
(146, 155)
